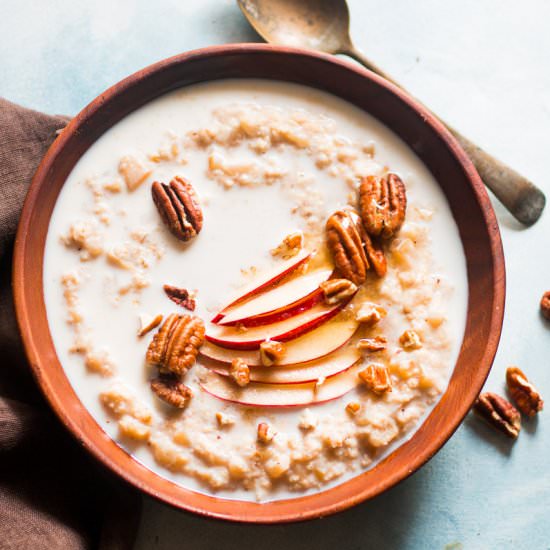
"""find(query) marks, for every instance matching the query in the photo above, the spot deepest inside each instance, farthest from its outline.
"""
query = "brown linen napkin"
(52, 495)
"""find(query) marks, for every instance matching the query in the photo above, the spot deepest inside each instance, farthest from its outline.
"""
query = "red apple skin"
(264, 286)
(297, 307)
(285, 337)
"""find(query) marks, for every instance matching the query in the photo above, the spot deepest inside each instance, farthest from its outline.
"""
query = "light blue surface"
(485, 67)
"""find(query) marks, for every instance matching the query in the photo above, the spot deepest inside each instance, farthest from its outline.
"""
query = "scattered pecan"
(240, 372)
(178, 207)
(337, 290)
(171, 390)
(180, 296)
(410, 340)
(377, 343)
(175, 346)
(545, 305)
(376, 378)
(370, 314)
(148, 323)
(353, 251)
(353, 407)
(271, 352)
(382, 204)
(527, 398)
(345, 242)
(265, 432)
(499, 413)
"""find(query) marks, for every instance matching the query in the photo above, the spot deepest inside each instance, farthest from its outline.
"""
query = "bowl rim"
(289, 510)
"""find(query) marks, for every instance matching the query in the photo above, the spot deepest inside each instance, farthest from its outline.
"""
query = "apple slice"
(325, 367)
(267, 280)
(312, 345)
(283, 331)
(276, 395)
(285, 300)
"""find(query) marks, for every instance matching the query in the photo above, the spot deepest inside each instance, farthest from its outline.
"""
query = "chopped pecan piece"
(377, 343)
(180, 296)
(175, 346)
(382, 204)
(499, 413)
(148, 323)
(545, 305)
(527, 398)
(178, 207)
(271, 352)
(337, 290)
(171, 390)
(239, 372)
(370, 314)
(353, 408)
(265, 432)
(410, 340)
(376, 378)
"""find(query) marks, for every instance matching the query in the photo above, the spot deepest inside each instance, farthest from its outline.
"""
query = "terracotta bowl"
(420, 130)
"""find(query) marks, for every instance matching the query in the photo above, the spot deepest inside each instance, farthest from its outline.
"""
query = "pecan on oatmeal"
(382, 204)
(377, 343)
(240, 372)
(345, 242)
(271, 352)
(265, 432)
(353, 251)
(545, 305)
(291, 245)
(370, 314)
(499, 413)
(180, 296)
(376, 378)
(178, 207)
(410, 340)
(171, 390)
(175, 346)
(133, 172)
(526, 396)
(337, 290)
(353, 407)
(147, 323)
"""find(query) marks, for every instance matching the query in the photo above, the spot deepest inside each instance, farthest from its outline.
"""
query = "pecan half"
(172, 391)
(178, 207)
(337, 290)
(382, 204)
(175, 346)
(375, 255)
(376, 378)
(545, 305)
(527, 398)
(180, 296)
(271, 352)
(499, 413)
(240, 372)
(345, 242)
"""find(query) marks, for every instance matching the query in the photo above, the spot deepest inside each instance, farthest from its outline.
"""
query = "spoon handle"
(522, 198)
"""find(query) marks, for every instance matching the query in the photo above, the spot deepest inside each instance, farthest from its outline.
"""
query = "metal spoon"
(324, 25)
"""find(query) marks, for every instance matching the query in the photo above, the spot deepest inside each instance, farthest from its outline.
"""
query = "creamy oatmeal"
(304, 375)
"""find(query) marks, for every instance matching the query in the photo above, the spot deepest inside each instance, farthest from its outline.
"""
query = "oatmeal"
(255, 288)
